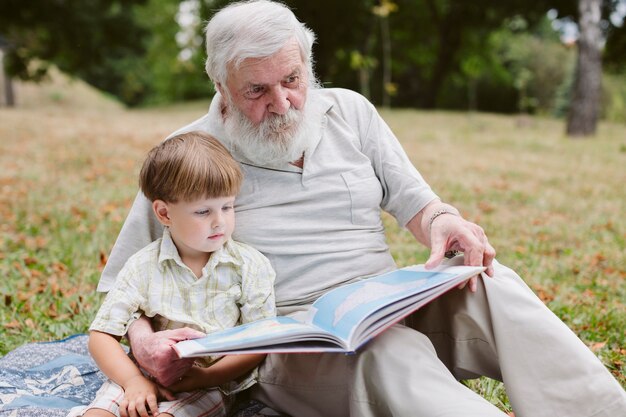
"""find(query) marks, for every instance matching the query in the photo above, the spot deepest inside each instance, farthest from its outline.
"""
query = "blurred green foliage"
(484, 55)
(100, 41)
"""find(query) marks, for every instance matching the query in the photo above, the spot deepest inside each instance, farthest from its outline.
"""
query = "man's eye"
(255, 92)
(293, 80)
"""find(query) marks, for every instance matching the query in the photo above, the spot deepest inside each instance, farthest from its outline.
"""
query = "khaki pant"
(502, 331)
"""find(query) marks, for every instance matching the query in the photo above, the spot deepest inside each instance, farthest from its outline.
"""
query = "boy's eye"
(203, 212)
(227, 208)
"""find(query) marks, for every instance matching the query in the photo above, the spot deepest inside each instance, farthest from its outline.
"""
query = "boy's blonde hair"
(188, 167)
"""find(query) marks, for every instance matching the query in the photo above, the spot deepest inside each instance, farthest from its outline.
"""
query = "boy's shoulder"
(147, 254)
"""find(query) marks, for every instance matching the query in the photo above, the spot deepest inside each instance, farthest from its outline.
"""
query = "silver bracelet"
(437, 214)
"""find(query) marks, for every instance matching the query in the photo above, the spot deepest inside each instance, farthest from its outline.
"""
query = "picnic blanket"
(48, 379)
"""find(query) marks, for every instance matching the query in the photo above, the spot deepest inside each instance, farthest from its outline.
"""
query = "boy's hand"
(196, 378)
(140, 397)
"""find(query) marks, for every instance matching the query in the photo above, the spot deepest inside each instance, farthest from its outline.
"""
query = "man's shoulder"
(347, 103)
(341, 95)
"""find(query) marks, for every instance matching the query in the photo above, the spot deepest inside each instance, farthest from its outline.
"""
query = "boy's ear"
(161, 210)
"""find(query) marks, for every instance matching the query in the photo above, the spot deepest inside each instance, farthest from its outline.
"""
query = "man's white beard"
(276, 140)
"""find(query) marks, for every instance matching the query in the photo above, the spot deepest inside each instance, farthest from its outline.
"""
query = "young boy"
(194, 276)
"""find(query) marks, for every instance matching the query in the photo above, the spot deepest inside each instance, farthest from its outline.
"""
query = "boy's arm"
(111, 358)
(229, 368)
(115, 363)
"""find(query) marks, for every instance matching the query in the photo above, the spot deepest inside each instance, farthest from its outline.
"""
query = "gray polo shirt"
(320, 226)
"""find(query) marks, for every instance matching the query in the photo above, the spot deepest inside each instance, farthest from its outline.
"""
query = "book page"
(268, 331)
(341, 310)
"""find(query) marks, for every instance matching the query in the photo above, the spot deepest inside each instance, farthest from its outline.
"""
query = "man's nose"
(279, 100)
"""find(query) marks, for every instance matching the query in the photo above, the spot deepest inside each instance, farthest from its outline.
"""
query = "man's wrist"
(440, 212)
(428, 214)
(139, 329)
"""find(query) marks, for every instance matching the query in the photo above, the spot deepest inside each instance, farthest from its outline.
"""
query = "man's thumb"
(436, 256)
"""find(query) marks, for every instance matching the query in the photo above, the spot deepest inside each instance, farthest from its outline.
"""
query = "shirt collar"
(227, 254)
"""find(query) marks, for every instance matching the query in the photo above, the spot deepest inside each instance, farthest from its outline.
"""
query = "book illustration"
(359, 300)
(369, 292)
(250, 334)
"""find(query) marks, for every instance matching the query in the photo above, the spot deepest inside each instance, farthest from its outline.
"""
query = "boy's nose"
(218, 221)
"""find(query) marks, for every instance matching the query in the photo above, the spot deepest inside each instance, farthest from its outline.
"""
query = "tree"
(175, 53)
(383, 10)
(97, 40)
(585, 106)
(433, 38)
(6, 86)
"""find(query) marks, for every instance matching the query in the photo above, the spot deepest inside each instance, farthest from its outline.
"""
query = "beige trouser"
(502, 331)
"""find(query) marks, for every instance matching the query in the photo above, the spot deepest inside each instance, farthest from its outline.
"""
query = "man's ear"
(161, 210)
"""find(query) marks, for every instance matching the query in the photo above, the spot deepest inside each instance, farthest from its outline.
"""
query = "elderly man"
(319, 166)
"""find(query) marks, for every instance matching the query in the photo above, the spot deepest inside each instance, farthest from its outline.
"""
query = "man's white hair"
(253, 29)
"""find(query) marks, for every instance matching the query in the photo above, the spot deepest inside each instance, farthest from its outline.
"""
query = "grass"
(553, 208)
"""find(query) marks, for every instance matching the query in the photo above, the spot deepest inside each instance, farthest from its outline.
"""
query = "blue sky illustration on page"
(340, 310)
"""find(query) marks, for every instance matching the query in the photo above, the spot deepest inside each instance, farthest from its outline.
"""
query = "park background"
(513, 111)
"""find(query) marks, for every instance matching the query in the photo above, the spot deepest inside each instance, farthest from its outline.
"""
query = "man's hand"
(450, 232)
(154, 352)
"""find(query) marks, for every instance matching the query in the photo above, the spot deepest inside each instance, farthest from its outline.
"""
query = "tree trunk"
(6, 86)
(386, 43)
(449, 43)
(585, 105)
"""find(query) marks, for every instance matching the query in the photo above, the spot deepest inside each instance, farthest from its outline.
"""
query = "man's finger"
(473, 254)
(473, 284)
(488, 257)
(184, 333)
(178, 368)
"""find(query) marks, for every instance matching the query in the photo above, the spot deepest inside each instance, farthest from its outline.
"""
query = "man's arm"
(437, 225)
(440, 227)
(154, 352)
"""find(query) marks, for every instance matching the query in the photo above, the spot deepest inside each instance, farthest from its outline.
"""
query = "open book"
(342, 320)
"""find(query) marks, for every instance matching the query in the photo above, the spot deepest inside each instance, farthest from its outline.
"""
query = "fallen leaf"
(597, 346)
(13, 325)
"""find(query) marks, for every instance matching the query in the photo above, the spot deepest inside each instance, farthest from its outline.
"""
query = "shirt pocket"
(365, 195)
